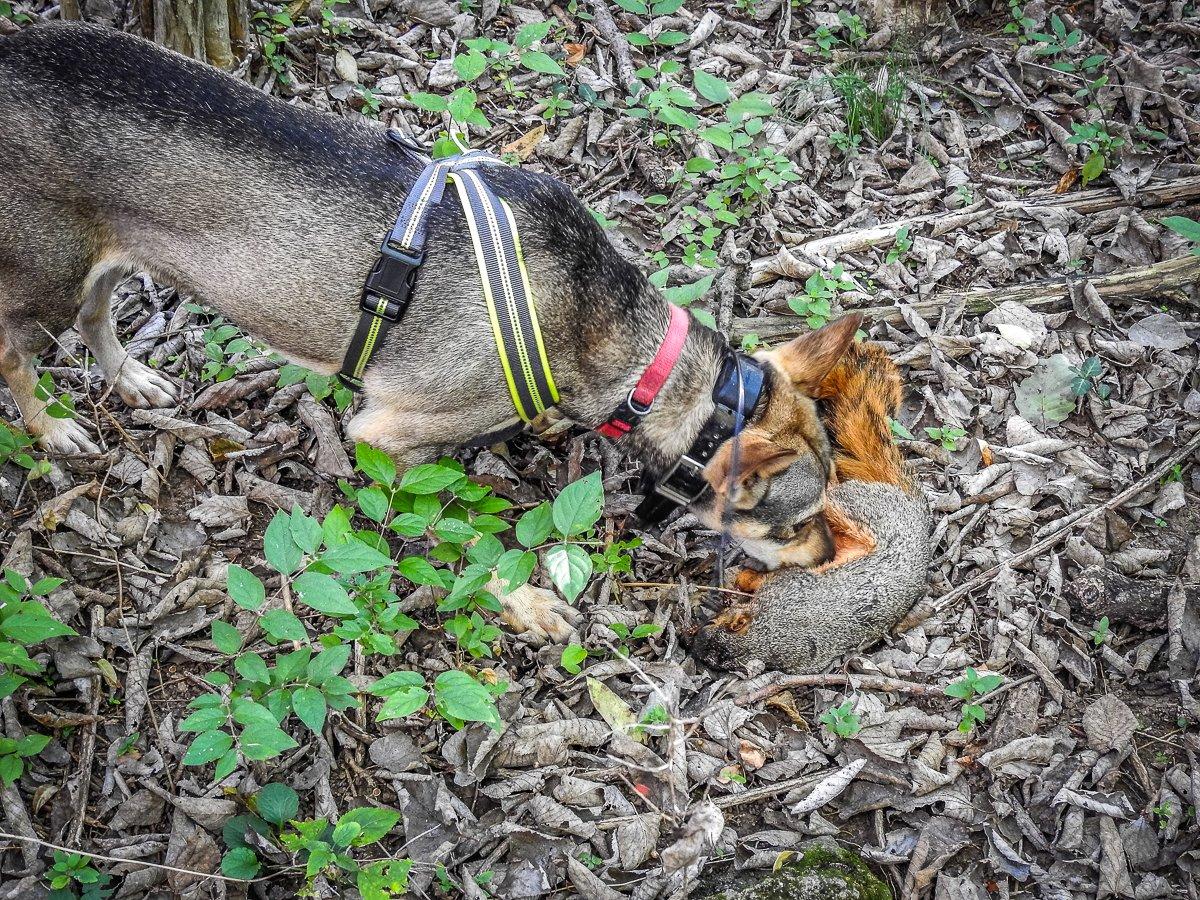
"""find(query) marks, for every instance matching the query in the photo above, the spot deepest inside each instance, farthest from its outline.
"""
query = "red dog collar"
(641, 399)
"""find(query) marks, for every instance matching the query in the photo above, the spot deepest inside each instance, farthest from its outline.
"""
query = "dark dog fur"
(123, 156)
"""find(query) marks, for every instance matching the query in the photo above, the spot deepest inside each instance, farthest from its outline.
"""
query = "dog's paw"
(538, 614)
(143, 388)
(65, 436)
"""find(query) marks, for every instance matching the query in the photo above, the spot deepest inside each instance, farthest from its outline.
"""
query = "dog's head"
(769, 490)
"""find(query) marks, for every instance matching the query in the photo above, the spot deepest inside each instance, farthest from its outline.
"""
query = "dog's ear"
(758, 458)
(810, 357)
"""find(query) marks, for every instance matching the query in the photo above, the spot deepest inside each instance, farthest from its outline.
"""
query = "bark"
(213, 31)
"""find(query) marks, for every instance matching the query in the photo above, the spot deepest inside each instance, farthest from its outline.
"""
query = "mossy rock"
(821, 871)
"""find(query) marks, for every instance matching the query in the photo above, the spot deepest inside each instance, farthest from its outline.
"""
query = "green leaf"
(206, 747)
(336, 527)
(536, 61)
(328, 663)
(470, 65)
(33, 624)
(345, 832)
(418, 570)
(572, 656)
(324, 594)
(428, 102)
(1093, 168)
(283, 626)
(225, 637)
(456, 531)
(32, 744)
(637, 7)
(204, 720)
(749, 104)
(530, 34)
(579, 505)
(251, 712)
(240, 863)
(403, 701)
(374, 504)
(259, 742)
(462, 104)
(718, 136)
(373, 822)
(1045, 397)
(1184, 227)
(570, 567)
(279, 547)
(535, 526)
(460, 697)
(686, 294)
(515, 567)
(671, 39)
(277, 803)
(225, 765)
(309, 705)
(429, 478)
(409, 525)
(306, 531)
(251, 667)
(355, 557)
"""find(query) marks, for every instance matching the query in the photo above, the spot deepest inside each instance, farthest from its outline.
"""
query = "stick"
(1144, 281)
(87, 752)
(1160, 471)
(616, 42)
(837, 679)
(784, 263)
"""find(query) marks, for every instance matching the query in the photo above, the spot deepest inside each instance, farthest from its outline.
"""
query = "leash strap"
(641, 399)
(388, 288)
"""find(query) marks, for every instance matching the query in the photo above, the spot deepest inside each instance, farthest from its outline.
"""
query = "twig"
(87, 750)
(1159, 471)
(607, 27)
(138, 862)
(837, 679)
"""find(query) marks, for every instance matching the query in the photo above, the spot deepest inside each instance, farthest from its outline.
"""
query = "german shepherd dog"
(124, 156)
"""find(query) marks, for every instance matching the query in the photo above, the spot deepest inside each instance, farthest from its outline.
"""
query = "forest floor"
(991, 188)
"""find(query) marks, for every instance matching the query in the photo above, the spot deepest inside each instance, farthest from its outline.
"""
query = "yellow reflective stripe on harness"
(518, 355)
(369, 345)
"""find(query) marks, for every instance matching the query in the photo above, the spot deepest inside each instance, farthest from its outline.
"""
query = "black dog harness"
(388, 290)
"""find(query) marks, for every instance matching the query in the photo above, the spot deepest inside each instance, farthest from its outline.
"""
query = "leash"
(387, 290)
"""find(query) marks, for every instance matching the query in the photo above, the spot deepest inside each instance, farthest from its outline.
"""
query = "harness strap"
(388, 288)
(641, 399)
(509, 298)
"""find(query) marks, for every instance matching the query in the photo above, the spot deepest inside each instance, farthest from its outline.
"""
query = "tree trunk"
(213, 31)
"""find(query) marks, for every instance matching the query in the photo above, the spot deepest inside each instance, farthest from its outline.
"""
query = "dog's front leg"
(135, 382)
(409, 437)
(56, 435)
(539, 614)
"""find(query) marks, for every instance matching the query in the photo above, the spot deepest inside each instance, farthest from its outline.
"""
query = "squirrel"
(800, 619)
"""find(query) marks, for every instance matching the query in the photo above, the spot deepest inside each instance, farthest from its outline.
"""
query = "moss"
(823, 871)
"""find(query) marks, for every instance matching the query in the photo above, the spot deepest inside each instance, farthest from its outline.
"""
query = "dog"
(125, 156)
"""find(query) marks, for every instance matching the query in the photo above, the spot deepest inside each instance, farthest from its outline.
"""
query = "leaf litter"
(1042, 300)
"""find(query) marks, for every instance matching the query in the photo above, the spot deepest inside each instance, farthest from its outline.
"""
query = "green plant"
(971, 686)
(73, 872)
(842, 720)
(14, 448)
(653, 722)
(320, 386)
(825, 39)
(901, 246)
(1020, 24)
(464, 111)
(626, 634)
(1185, 228)
(1099, 634)
(846, 144)
(898, 430)
(1087, 376)
(1162, 814)
(329, 22)
(227, 351)
(965, 194)
(8, 11)
(321, 846)
(947, 435)
(24, 622)
(484, 54)
(590, 860)
(816, 306)
(60, 407)
(1176, 474)
(1095, 140)
(660, 8)
(271, 29)
(572, 657)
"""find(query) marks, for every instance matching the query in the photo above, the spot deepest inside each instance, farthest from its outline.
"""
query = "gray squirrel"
(801, 619)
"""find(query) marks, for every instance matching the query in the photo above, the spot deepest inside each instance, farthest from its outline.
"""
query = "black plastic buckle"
(393, 278)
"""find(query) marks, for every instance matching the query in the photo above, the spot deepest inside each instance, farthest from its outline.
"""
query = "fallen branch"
(836, 679)
(790, 262)
(1144, 281)
(607, 26)
(1160, 471)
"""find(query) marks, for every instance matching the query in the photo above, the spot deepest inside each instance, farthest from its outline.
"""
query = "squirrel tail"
(861, 396)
